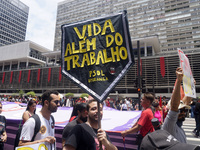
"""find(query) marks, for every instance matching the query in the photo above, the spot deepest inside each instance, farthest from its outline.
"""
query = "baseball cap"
(181, 105)
(161, 139)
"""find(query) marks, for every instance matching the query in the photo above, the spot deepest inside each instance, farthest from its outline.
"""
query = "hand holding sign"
(50, 139)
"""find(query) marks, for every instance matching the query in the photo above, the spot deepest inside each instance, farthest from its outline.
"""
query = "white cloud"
(41, 21)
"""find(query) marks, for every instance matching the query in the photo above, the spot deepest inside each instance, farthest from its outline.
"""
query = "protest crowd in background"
(159, 106)
(123, 104)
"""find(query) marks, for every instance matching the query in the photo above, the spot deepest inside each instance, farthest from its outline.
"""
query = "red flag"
(29, 74)
(162, 66)
(38, 75)
(60, 75)
(160, 102)
(49, 74)
(11, 76)
(20, 74)
(3, 77)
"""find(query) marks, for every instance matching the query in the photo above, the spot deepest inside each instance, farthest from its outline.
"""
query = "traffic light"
(143, 83)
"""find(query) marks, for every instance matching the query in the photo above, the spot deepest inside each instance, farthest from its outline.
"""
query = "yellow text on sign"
(96, 73)
(40, 147)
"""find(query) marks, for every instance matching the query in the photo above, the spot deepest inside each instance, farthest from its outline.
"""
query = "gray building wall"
(163, 85)
(175, 22)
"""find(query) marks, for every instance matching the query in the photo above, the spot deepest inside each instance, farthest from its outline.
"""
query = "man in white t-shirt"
(50, 102)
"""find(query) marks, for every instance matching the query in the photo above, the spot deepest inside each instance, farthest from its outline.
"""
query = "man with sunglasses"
(50, 102)
(178, 110)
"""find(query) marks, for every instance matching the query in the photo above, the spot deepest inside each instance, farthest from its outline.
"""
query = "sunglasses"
(56, 102)
(183, 110)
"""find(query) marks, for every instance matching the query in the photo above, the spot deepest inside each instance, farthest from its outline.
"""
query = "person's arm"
(48, 139)
(4, 137)
(27, 134)
(134, 129)
(175, 98)
(101, 135)
(25, 116)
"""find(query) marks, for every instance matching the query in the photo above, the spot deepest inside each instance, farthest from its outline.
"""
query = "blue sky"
(41, 21)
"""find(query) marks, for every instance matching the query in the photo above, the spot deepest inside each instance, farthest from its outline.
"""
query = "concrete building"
(13, 21)
(174, 22)
(22, 55)
(29, 66)
(161, 26)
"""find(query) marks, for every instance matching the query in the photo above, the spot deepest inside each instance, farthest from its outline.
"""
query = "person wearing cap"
(81, 118)
(177, 113)
(161, 139)
(143, 125)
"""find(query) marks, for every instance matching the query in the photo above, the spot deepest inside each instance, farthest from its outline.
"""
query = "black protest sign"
(97, 53)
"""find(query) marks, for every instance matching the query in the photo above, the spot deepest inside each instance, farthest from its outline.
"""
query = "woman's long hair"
(31, 102)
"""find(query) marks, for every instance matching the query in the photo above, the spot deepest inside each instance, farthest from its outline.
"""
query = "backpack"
(36, 129)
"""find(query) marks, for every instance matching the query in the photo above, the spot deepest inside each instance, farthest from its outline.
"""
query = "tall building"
(13, 21)
(161, 26)
(174, 22)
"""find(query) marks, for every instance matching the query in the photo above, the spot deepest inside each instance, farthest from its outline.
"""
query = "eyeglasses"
(183, 110)
(56, 102)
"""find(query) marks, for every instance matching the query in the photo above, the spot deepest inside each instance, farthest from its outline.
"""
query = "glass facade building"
(13, 21)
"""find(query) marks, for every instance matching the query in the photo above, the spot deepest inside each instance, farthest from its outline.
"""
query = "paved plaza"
(188, 126)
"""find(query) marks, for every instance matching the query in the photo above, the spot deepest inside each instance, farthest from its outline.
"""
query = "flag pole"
(99, 123)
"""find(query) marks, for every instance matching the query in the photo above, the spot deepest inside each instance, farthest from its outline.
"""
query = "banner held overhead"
(97, 53)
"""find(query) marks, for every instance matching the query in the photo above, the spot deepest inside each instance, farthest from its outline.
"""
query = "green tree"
(69, 95)
(84, 95)
(21, 93)
(32, 93)
(14, 94)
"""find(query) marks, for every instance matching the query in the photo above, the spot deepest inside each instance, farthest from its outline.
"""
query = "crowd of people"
(83, 129)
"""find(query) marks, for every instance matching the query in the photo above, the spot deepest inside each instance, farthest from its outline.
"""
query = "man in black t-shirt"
(86, 136)
(80, 108)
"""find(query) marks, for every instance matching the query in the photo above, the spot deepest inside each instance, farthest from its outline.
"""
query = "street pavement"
(188, 126)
